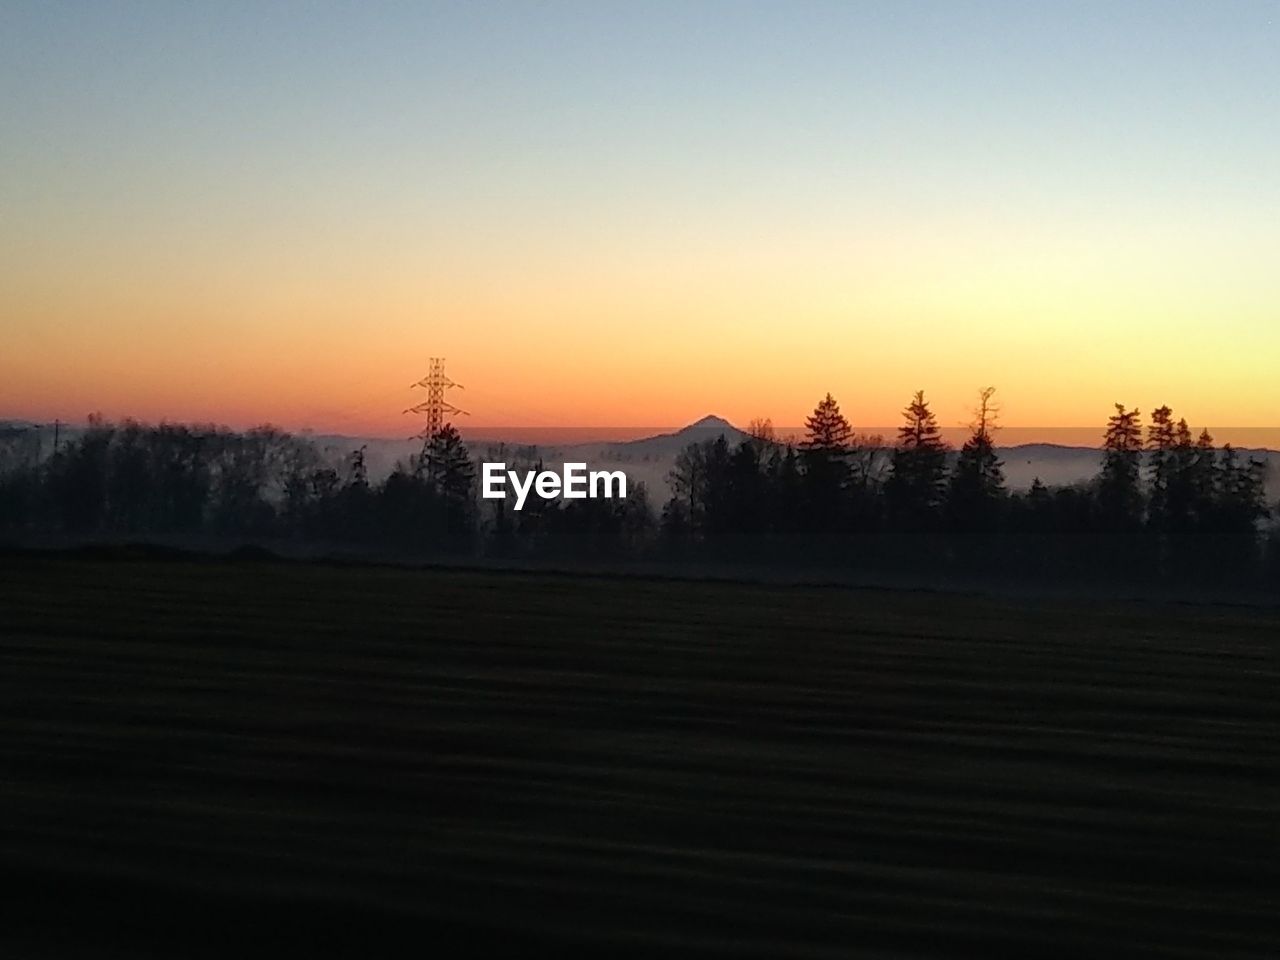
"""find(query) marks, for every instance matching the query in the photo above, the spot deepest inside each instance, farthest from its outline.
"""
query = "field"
(199, 759)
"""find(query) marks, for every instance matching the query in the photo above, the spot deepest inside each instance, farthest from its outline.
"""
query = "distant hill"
(708, 428)
(1054, 464)
(1058, 465)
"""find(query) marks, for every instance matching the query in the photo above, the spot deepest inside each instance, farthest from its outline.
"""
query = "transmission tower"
(435, 406)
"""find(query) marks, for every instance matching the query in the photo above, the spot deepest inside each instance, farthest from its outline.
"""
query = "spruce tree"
(1160, 442)
(1202, 477)
(450, 475)
(826, 429)
(1180, 507)
(1119, 492)
(824, 450)
(1239, 493)
(448, 465)
(918, 472)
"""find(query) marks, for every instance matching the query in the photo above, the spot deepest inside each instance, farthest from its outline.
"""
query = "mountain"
(708, 428)
(709, 422)
(648, 460)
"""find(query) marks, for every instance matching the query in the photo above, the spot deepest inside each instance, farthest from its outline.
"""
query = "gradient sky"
(639, 213)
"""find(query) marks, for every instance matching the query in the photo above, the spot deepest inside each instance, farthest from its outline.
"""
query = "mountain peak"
(711, 422)
(700, 431)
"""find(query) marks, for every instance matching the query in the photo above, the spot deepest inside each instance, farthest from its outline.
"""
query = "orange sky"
(610, 219)
(579, 337)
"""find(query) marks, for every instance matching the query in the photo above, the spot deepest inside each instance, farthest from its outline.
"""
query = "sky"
(631, 214)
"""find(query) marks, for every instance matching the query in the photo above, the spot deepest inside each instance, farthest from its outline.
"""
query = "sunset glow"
(634, 216)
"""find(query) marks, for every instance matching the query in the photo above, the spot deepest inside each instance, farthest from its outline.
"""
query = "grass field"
(202, 758)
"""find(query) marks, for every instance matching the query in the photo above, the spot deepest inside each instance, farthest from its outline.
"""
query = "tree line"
(1170, 504)
(1166, 503)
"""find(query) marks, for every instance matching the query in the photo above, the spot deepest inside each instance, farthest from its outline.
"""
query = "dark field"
(204, 759)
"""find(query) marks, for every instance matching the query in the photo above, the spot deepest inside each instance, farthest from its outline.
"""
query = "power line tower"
(435, 406)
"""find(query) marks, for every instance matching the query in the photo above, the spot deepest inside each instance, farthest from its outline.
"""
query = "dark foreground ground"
(216, 759)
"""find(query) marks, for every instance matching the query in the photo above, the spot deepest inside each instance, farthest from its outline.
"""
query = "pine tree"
(447, 464)
(1119, 493)
(449, 473)
(1239, 493)
(1202, 476)
(1180, 507)
(1160, 443)
(920, 429)
(826, 429)
(826, 469)
(918, 471)
(1238, 504)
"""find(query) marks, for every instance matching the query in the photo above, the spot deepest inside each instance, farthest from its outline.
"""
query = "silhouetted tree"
(746, 491)
(1180, 496)
(977, 481)
(824, 452)
(757, 499)
(447, 467)
(1120, 502)
(785, 483)
(761, 430)
(1240, 493)
(181, 468)
(689, 487)
(1161, 464)
(918, 474)
(409, 512)
(676, 526)
(78, 478)
(1202, 478)
(826, 429)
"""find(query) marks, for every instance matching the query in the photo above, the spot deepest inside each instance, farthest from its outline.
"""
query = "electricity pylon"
(435, 406)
